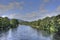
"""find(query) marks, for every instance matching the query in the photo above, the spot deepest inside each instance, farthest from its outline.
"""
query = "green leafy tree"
(14, 23)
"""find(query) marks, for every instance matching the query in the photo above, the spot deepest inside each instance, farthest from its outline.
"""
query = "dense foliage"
(51, 24)
(6, 23)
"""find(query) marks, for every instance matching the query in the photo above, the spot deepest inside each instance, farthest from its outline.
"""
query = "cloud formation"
(58, 9)
(46, 1)
(34, 15)
(11, 5)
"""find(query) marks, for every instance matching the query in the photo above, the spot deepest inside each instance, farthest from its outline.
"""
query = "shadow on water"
(6, 31)
(56, 36)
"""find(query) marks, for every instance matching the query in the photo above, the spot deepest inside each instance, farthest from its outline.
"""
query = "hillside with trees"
(51, 24)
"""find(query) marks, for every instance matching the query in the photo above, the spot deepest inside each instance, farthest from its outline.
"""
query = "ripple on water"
(24, 33)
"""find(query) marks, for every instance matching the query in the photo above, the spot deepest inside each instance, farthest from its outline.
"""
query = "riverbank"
(51, 24)
(6, 23)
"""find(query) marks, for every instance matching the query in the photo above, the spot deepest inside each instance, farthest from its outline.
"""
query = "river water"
(25, 33)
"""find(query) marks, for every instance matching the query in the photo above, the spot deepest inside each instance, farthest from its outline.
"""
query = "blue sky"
(29, 10)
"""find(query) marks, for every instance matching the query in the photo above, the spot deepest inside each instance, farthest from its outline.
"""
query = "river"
(25, 33)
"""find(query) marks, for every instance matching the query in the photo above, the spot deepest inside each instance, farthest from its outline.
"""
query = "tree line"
(6, 23)
(51, 24)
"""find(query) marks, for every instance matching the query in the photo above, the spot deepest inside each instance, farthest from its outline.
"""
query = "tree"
(14, 23)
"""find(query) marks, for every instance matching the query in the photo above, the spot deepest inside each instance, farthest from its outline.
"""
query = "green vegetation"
(6, 23)
(14, 23)
(51, 24)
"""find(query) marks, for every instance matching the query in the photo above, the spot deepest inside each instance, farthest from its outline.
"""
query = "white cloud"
(45, 1)
(29, 16)
(11, 5)
(32, 16)
(58, 8)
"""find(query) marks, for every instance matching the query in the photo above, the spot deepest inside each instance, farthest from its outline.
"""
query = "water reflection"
(56, 36)
(25, 33)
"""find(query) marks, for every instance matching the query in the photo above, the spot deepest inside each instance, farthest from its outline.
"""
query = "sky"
(29, 10)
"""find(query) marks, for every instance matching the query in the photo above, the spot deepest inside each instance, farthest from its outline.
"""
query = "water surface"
(25, 33)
